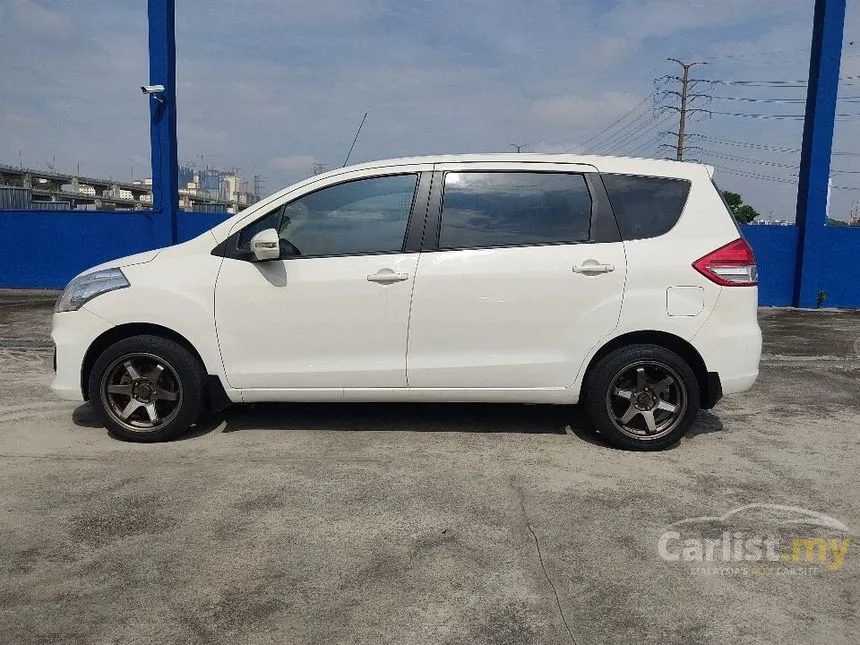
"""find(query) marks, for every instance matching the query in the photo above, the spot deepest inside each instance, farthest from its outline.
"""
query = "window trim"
(437, 196)
(412, 236)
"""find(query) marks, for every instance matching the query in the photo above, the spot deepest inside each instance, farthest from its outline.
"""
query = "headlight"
(87, 287)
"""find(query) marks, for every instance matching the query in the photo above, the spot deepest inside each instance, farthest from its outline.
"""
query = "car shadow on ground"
(404, 417)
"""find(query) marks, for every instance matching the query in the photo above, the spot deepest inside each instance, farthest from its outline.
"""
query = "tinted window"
(243, 242)
(483, 209)
(353, 218)
(646, 206)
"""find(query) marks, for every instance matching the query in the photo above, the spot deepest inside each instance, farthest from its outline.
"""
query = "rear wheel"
(642, 397)
(147, 388)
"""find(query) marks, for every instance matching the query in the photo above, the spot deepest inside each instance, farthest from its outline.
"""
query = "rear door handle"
(591, 267)
(387, 276)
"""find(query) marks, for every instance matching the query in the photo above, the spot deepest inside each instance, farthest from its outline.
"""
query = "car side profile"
(622, 284)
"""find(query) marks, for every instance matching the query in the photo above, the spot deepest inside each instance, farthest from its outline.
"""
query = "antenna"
(345, 161)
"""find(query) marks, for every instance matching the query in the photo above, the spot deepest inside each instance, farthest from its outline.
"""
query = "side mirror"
(265, 245)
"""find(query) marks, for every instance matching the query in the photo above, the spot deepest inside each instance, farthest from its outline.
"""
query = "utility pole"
(685, 96)
(519, 147)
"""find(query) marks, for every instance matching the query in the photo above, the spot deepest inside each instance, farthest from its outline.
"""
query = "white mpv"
(623, 284)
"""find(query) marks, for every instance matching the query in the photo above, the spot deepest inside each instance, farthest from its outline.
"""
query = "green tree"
(744, 213)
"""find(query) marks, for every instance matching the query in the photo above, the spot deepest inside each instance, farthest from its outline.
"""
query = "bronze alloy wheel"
(646, 400)
(141, 392)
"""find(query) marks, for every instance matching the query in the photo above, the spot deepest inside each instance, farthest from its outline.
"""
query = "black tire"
(632, 383)
(174, 394)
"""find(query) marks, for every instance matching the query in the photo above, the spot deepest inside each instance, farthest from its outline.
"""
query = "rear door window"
(646, 206)
(490, 209)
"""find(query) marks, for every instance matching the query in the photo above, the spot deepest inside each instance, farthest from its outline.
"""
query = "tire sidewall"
(187, 368)
(599, 380)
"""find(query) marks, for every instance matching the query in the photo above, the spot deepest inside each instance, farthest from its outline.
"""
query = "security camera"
(152, 89)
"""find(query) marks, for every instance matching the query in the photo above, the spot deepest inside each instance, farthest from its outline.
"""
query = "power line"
(623, 139)
(621, 128)
(649, 97)
(754, 175)
(749, 115)
(761, 162)
(745, 144)
(654, 126)
(619, 136)
(775, 164)
(758, 54)
(648, 143)
(846, 80)
(782, 180)
(795, 100)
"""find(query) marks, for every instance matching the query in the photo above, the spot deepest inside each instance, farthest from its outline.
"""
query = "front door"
(333, 311)
(519, 285)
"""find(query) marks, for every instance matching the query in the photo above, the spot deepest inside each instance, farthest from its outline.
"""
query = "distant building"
(772, 222)
(77, 188)
(115, 192)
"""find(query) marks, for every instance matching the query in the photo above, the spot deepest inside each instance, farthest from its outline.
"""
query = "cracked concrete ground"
(419, 523)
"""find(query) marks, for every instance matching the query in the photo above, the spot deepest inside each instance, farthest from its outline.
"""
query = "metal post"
(165, 164)
(810, 271)
(683, 120)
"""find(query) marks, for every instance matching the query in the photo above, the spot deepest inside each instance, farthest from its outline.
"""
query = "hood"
(128, 260)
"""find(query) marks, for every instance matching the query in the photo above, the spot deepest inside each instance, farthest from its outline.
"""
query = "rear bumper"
(740, 382)
(730, 341)
(73, 332)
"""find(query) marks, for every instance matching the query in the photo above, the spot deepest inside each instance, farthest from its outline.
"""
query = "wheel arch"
(121, 332)
(709, 383)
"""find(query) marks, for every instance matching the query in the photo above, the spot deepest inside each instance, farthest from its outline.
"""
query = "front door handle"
(387, 276)
(592, 267)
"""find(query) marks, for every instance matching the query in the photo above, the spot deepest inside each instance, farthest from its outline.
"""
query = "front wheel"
(642, 397)
(146, 388)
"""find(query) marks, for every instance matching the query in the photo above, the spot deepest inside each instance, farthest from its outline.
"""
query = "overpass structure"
(41, 189)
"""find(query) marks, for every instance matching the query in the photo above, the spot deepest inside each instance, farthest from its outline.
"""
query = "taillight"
(732, 265)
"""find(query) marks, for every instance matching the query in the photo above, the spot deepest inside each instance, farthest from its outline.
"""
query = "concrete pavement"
(418, 523)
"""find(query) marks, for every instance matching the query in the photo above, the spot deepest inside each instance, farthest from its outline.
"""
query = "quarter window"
(486, 209)
(646, 206)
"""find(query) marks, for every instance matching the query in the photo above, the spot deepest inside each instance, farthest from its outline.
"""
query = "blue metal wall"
(44, 250)
(775, 250)
(834, 269)
(830, 268)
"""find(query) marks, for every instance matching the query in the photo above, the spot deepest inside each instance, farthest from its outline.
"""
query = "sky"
(275, 86)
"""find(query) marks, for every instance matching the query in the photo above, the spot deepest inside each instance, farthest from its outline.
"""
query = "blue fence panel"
(193, 224)
(836, 269)
(44, 250)
(775, 250)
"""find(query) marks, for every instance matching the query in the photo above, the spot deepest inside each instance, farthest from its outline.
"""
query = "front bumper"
(73, 332)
